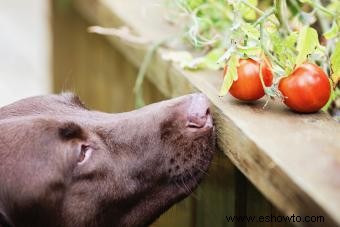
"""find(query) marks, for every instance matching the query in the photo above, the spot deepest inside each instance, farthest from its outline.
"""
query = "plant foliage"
(286, 33)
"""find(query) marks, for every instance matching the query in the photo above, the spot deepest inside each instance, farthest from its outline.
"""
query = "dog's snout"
(199, 112)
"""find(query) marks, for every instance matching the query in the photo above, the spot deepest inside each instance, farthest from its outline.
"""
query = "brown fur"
(142, 162)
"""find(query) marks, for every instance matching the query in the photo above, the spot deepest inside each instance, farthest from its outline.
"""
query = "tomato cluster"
(306, 90)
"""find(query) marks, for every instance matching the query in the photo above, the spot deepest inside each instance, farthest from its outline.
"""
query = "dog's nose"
(199, 112)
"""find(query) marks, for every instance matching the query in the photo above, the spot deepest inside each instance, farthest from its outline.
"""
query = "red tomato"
(248, 86)
(307, 89)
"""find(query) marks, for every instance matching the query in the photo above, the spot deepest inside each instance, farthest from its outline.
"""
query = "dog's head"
(65, 165)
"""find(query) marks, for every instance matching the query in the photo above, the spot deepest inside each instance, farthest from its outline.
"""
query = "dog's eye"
(84, 154)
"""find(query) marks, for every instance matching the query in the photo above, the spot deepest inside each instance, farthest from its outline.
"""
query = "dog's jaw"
(162, 197)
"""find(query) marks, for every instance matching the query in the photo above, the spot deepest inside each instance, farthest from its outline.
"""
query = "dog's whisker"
(185, 189)
(193, 194)
(201, 170)
(188, 189)
(192, 177)
(179, 186)
(207, 161)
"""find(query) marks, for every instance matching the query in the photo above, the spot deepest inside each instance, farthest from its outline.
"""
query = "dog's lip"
(191, 177)
(188, 182)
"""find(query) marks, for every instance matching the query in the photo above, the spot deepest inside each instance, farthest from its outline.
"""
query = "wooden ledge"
(293, 159)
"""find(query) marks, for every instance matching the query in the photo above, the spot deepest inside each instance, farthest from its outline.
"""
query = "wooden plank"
(293, 159)
(181, 214)
(258, 206)
(215, 197)
(240, 198)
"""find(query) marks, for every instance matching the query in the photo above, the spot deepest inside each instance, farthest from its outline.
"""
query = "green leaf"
(231, 74)
(321, 48)
(307, 43)
(335, 64)
(192, 4)
(249, 50)
(305, 1)
(334, 6)
(333, 32)
(271, 24)
(208, 61)
(335, 94)
(250, 30)
(285, 51)
(233, 2)
(247, 12)
(225, 57)
(291, 40)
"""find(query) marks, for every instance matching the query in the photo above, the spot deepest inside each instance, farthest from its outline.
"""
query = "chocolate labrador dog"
(62, 164)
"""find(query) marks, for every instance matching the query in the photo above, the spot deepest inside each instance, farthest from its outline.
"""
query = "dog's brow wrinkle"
(71, 130)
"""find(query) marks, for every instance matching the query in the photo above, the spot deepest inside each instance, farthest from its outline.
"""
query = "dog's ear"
(4, 221)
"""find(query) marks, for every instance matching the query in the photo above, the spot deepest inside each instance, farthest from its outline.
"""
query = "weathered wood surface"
(293, 159)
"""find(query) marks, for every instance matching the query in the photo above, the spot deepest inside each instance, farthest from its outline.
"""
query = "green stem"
(284, 8)
(317, 5)
(139, 102)
(323, 22)
(325, 26)
(259, 11)
(209, 5)
(281, 14)
(264, 87)
(261, 78)
(267, 14)
(264, 48)
(296, 5)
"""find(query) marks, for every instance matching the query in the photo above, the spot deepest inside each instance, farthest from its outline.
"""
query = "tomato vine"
(284, 33)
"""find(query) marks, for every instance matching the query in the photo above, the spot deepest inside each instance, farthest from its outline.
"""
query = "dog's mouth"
(191, 178)
(188, 169)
